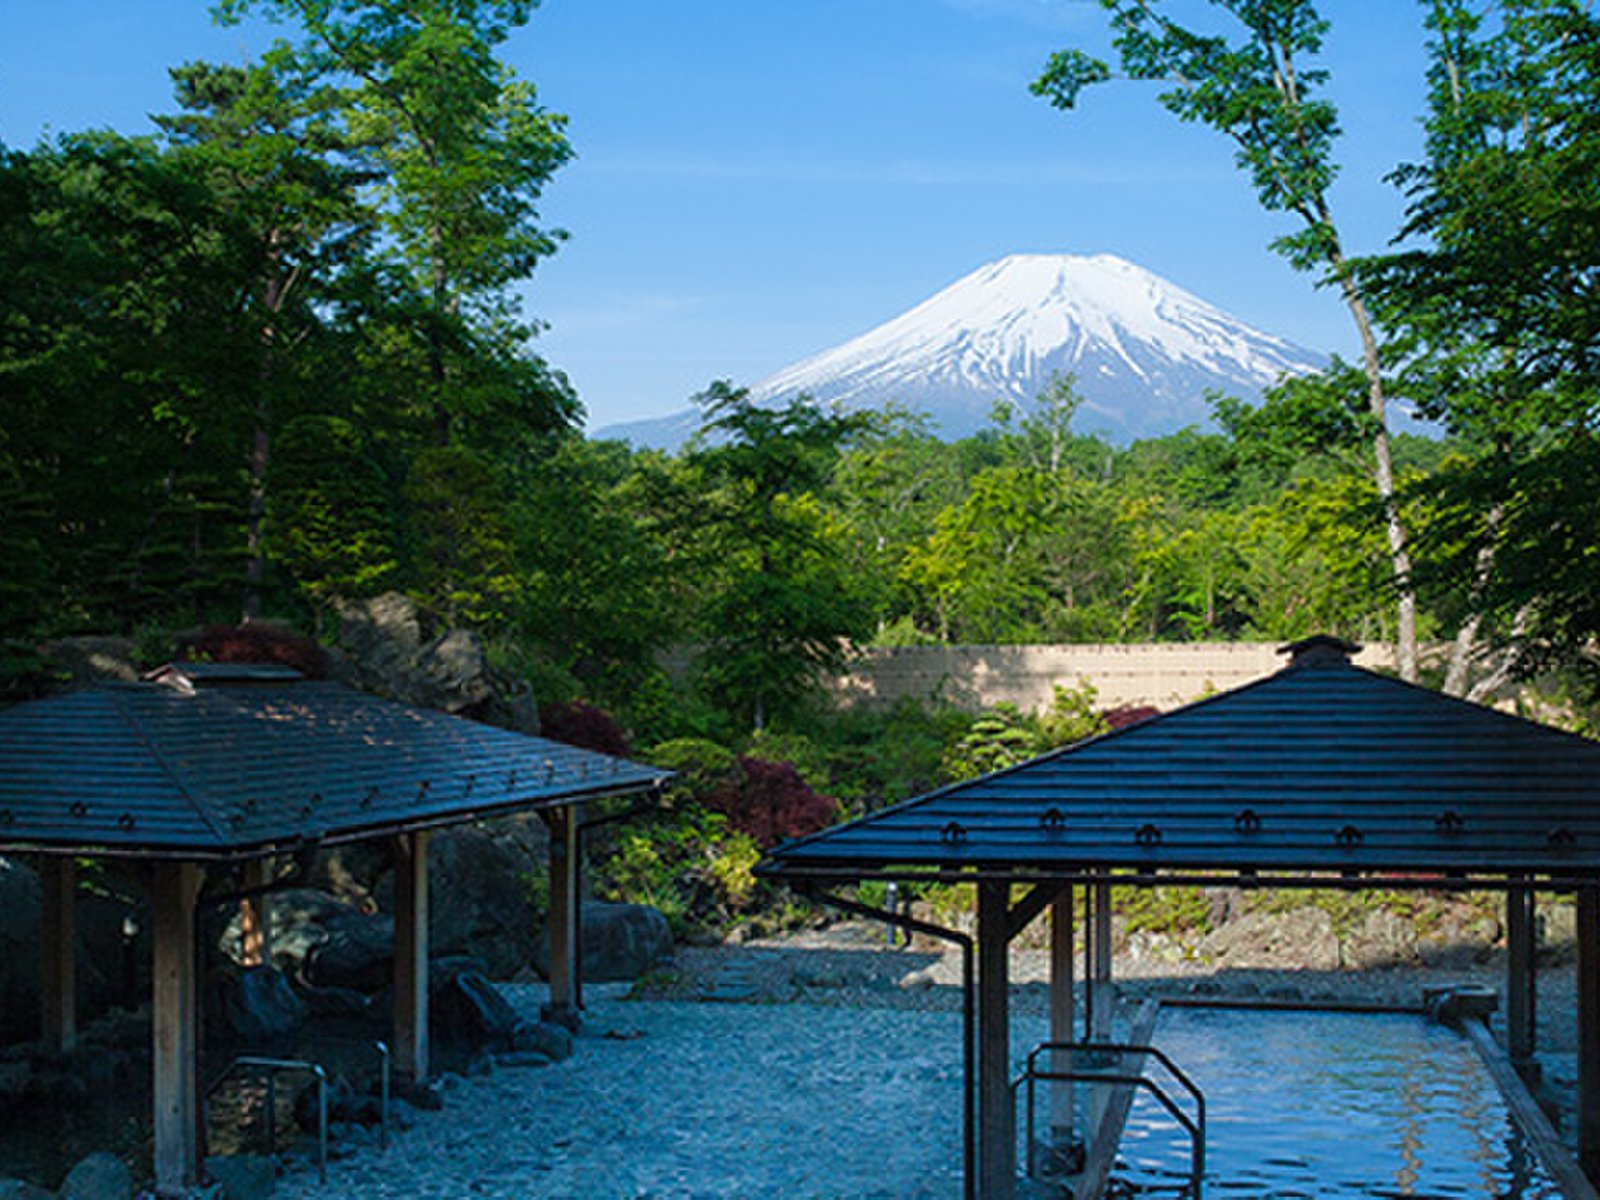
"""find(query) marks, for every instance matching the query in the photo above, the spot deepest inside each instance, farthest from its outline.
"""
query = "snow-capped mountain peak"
(1145, 351)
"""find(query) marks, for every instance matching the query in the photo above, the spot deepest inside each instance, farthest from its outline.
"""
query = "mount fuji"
(1144, 351)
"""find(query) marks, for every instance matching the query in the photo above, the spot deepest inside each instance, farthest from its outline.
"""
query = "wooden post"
(58, 939)
(174, 887)
(1521, 978)
(255, 932)
(563, 917)
(1062, 1016)
(1104, 999)
(997, 1118)
(1589, 1032)
(411, 956)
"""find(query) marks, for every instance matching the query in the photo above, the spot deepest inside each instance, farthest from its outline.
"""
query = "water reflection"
(1334, 1105)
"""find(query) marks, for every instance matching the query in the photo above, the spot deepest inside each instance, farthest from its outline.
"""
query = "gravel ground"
(837, 1073)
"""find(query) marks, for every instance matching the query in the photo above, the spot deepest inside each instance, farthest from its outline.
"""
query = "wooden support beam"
(1025, 911)
(411, 956)
(174, 888)
(1062, 1015)
(564, 915)
(997, 1118)
(1521, 977)
(1100, 981)
(1589, 1031)
(58, 940)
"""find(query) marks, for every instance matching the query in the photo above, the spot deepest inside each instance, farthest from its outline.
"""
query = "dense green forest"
(270, 357)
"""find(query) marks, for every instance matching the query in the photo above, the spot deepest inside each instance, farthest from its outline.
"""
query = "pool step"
(734, 982)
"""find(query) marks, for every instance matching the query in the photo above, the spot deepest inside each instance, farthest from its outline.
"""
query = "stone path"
(690, 1100)
(822, 1071)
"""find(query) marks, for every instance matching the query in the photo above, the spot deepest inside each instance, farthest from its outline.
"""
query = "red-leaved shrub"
(770, 802)
(260, 643)
(584, 726)
(1130, 714)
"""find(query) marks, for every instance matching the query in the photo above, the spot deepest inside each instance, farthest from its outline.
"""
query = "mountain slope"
(1144, 351)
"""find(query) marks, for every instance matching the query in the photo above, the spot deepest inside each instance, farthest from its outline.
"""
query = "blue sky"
(758, 180)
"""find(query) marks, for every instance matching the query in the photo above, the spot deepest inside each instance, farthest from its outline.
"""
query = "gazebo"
(1323, 774)
(209, 767)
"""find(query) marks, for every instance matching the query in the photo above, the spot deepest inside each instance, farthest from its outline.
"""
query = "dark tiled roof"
(1323, 767)
(151, 768)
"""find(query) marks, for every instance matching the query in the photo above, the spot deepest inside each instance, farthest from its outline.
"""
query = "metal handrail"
(272, 1066)
(1194, 1126)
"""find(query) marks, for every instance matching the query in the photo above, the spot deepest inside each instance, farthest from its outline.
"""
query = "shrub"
(580, 724)
(770, 802)
(260, 642)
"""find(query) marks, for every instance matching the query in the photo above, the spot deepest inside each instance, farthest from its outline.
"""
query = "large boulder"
(385, 652)
(479, 899)
(1301, 938)
(465, 1006)
(356, 953)
(100, 1176)
(382, 648)
(259, 1006)
(1383, 939)
(620, 942)
(84, 662)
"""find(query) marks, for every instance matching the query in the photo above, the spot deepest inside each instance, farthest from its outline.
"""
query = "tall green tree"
(464, 151)
(271, 144)
(776, 602)
(1257, 87)
(1494, 304)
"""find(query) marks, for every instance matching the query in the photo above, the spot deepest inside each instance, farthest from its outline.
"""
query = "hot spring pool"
(1332, 1105)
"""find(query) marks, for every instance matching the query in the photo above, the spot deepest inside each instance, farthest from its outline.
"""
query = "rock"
(620, 942)
(300, 919)
(335, 1002)
(1301, 937)
(259, 1006)
(99, 1176)
(356, 953)
(244, 1176)
(451, 673)
(1384, 939)
(522, 1058)
(20, 1189)
(480, 900)
(918, 981)
(543, 1037)
(468, 1007)
(88, 661)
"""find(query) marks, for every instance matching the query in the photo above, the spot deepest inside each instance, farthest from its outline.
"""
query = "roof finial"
(1319, 649)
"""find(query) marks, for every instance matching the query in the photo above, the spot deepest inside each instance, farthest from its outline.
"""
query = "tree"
(776, 601)
(1494, 306)
(270, 142)
(464, 152)
(1258, 91)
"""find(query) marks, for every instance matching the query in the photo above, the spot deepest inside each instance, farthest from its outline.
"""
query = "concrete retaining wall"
(973, 677)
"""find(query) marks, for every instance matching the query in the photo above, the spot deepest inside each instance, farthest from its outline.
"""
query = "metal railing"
(1194, 1126)
(272, 1067)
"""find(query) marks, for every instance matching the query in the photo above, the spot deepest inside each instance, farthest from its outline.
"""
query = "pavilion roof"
(218, 764)
(1321, 768)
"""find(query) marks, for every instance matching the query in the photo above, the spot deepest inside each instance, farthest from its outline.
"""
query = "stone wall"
(974, 677)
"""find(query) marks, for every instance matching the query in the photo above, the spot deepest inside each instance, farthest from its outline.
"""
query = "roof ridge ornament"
(1319, 650)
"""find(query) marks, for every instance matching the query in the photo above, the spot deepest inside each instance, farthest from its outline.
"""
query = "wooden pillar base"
(564, 929)
(1588, 947)
(174, 889)
(411, 1058)
(997, 1117)
(58, 939)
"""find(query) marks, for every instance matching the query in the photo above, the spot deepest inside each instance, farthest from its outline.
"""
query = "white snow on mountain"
(1144, 351)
